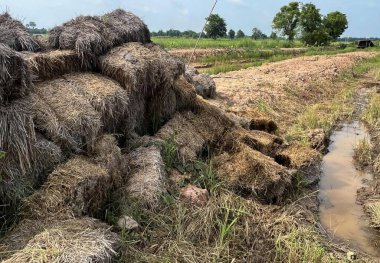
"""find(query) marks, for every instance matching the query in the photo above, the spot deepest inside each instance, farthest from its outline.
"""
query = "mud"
(340, 214)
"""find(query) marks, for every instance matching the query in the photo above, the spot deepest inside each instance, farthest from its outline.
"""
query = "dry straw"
(14, 34)
(15, 80)
(91, 36)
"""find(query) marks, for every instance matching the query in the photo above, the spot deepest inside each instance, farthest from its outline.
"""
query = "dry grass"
(53, 64)
(14, 34)
(374, 209)
(145, 175)
(75, 240)
(65, 115)
(77, 187)
(372, 115)
(91, 36)
(363, 152)
(141, 68)
(15, 80)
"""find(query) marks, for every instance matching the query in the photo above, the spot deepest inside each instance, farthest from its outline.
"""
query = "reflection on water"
(339, 213)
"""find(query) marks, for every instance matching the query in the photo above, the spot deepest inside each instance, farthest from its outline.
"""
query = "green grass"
(178, 42)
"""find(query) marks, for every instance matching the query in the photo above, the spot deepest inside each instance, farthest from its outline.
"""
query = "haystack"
(15, 80)
(53, 64)
(126, 27)
(75, 240)
(185, 94)
(91, 36)
(14, 34)
(87, 35)
(139, 68)
(145, 176)
(105, 95)
(65, 116)
(252, 173)
(77, 187)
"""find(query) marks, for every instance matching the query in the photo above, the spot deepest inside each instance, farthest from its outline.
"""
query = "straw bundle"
(91, 36)
(15, 35)
(142, 69)
(15, 80)
(65, 116)
(185, 94)
(104, 94)
(53, 64)
(78, 187)
(76, 240)
(145, 176)
(126, 27)
(251, 172)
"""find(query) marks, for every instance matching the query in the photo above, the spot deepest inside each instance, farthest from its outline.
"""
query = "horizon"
(186, 15)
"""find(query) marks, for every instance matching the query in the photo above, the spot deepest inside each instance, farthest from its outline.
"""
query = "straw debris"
(14, 34)
(78, 187)
(15, 80)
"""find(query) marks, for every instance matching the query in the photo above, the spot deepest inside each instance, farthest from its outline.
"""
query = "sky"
(363, 15)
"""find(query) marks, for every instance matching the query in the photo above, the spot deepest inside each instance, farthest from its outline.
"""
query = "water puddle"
(340, 215)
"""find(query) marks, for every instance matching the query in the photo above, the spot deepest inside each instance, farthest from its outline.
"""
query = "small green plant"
(2, 154)
(205, 176)
(363, 152)
(169, 151)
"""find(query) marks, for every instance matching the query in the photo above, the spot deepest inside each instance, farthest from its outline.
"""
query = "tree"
(216, 26)
(286, 20)
(273, 35)
(32, 24)
(311, 23)
(231, 34)
(257, 34)
(335, 23)
(240, 34)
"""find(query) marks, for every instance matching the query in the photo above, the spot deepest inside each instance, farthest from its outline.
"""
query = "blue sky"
(363, 15)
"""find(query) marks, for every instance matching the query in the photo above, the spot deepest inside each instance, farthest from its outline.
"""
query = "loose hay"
(78, 187)
(15, 80)
(105, 95)
(65, 116)
(14, 34)
(141, 68)
(185, 94)
(91, 36)
(145, 176)
(76, 240)
(250, 172)
(53, 64)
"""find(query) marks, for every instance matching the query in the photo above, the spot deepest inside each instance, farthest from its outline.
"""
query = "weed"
(363, 152)
(372, 115)
(374, 209)
(169, 152)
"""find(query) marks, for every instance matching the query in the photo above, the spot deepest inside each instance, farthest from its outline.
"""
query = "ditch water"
(340, 215)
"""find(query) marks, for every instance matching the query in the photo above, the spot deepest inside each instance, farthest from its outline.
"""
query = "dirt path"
(282, 90)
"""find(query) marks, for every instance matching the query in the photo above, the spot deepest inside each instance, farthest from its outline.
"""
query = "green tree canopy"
(273, 35)
(286, 20)
(312, 27)
(240, 34)
(258, 34)
(231, 34)
(335, 23)
(216, 27)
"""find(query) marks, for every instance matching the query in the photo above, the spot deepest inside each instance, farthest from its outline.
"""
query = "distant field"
(180, 42)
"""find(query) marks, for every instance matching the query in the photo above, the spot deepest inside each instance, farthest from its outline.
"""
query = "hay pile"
(15, 79)
(91, 36)
(145, 173)
(65, 116)
(14, 34)
(53, 64)
(78, 187)
(141, 68)
(252, 173)
(74, 240)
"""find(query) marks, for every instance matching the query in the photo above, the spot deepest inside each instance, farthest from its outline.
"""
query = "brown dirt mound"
(78, 187)
(53, 64)
(14, 34)
(91, 36)
(15, 80)
(74, 240)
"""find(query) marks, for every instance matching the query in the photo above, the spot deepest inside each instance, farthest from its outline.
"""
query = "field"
(114, 149)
